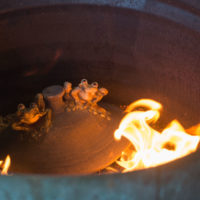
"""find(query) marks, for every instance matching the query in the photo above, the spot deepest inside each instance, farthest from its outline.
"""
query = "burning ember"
(151, 148)
(4, 165)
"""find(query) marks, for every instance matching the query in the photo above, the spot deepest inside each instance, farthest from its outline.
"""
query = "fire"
(150, 147)
(4, 165)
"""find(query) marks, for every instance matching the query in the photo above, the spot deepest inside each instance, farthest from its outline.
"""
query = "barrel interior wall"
(134, 55)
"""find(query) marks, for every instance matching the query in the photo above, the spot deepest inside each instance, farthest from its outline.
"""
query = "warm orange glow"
(152, 148)
(5, 165)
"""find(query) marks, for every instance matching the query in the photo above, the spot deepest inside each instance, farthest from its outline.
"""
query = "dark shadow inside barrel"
(132, 54)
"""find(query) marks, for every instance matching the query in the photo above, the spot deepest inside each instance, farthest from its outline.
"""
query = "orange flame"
(152, 148)
(5, 165)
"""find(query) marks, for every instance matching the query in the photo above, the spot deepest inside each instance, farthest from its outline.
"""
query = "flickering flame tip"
(153, 148)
